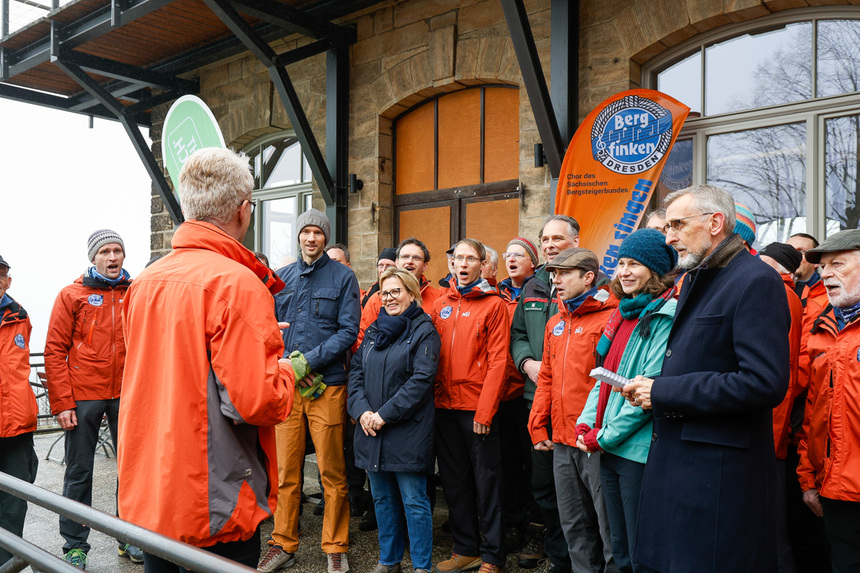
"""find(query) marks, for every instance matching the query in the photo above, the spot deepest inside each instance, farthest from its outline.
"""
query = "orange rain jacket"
(203, 389)
(371, 309)
(828, 457)
(782, 412)
(84, 348)
(569, 355)
(475, 335)
(18, 409)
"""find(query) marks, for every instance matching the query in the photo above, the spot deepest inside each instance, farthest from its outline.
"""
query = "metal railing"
(25, 553)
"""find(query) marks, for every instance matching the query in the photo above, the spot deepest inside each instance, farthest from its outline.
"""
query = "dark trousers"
(622, 484)
(18, 459)
(244, 552)
(806, 534)
(543, 490)
(355, 477)
(842, 522)
(470, 469)
(80, 452)
(512, 419)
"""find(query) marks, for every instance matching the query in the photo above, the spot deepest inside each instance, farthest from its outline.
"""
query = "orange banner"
(612, 165)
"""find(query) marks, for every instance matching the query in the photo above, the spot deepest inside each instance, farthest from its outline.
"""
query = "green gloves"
(300, 370)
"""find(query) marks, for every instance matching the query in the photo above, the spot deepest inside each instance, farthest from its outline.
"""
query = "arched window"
(282, 181)
(775, 118)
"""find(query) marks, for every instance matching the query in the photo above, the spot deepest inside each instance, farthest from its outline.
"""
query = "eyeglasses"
(416, 258)
(253, 205)
(676, 225)
(517, 256)
(470, 260)
(386, 294)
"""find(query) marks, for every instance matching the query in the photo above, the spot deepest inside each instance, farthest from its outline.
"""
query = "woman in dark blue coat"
(391, 396)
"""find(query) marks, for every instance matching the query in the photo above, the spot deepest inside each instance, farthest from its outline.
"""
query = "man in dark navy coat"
(709, 491)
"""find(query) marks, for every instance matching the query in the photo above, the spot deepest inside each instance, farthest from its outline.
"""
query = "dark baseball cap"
(574, 258)
(848, 240)
(3, 263)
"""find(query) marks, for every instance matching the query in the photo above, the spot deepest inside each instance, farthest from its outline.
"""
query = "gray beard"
(690, 261)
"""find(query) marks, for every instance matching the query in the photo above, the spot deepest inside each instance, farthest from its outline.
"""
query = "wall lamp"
(355, 184)
(540, 157)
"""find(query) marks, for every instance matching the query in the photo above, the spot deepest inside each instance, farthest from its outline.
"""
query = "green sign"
(189, 126)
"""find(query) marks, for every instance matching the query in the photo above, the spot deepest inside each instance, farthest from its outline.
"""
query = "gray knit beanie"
(317, 219)
(529, 248)
(100, 238)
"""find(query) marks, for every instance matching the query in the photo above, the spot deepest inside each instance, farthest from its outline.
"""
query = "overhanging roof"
(136, 50)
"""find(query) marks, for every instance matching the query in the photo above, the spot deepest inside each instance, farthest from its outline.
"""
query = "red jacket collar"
(202, 235)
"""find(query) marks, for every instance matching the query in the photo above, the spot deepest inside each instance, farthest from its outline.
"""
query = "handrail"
(177, 552)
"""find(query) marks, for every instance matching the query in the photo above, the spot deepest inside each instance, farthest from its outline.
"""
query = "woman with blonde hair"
(391, 396)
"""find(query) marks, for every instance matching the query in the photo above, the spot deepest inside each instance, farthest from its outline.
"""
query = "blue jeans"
(416, 503)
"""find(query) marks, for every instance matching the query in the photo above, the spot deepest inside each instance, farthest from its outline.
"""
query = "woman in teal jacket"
(633, 342)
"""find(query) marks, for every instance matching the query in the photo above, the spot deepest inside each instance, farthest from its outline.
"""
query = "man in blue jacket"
(321, 303)
(709, 493)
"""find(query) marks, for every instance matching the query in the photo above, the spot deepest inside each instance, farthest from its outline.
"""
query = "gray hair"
(213, 183)
(709, 199)
(340, 246)
(492, 255)
(571, 223)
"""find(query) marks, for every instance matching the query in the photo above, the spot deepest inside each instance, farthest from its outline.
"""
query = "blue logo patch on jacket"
(95, 299)
(559, 329)
(19, 341)
(445, 312)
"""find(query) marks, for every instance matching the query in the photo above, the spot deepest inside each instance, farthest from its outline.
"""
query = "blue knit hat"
(648, 246)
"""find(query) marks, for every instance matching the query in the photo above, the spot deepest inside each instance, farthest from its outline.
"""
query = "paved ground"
(41, 527)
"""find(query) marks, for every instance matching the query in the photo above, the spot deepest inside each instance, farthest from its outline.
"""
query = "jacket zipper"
(451, 359)
(830, 414)
(90, 335)
(563, 373)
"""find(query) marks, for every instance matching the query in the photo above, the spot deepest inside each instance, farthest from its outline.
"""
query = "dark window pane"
(759, 70)
(838, 57)
(840, 173)
(764, 169)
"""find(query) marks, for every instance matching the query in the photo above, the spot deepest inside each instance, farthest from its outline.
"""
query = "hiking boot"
(489, 568)
(421, 571)
(359, 504)
(275, 559)
(76, 557)
(532, 553)
(368, 521)
(458, 563)
(319, 508)
(133, 553)
(380, 568)
(337, 563)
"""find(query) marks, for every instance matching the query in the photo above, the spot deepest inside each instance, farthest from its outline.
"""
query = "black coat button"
(668, 352)
(654, 437)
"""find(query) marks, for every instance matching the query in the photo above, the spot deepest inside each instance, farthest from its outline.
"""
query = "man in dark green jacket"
(534, 309)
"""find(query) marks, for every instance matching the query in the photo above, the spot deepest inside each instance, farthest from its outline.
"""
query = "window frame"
(814, 112)
(303, 191)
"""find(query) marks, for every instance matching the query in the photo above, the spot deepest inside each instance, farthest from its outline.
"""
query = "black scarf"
(392, 327)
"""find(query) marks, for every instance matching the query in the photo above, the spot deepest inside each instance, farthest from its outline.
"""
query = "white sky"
(59, 182)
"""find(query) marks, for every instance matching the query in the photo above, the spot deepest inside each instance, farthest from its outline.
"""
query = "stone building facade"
(410, 51)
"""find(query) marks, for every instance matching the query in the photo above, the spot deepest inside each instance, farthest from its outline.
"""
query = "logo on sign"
(631, 135)
(95, 299)
(559, 328)
(19, 341)
(445, 312)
